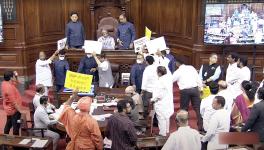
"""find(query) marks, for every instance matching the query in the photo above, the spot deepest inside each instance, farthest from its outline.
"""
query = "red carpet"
(29, 94)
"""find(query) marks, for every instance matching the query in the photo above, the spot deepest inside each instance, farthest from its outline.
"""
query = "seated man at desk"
(40, 90)
(42, 120)
(107, 41)
(81, 127)
(137, 100)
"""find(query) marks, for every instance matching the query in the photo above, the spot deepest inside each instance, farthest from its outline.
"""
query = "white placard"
(92, 46)
(139, 44)
(61, 44)
(156, 44)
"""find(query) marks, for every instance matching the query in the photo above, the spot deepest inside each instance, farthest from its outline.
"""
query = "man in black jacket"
(210, 72)
(255, 122)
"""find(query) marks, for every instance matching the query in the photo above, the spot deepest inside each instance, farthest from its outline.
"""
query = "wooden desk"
(99, 111)
(13, 141)
(125, 58)
(114, 92)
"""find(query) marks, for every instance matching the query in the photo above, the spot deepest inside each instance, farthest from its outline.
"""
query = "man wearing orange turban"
(84, 104)
(81, 127)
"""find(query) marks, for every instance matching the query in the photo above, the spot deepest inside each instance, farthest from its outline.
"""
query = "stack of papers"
(39, 143)
(24, 141)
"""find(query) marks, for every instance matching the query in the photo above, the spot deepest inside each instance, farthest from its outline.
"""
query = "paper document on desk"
(107, 143)
(24, 141)
(101, 117)
(39, 143)
(113, 103)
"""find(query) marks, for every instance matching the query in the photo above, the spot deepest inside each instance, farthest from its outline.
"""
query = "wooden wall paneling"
(31, 18)
(190, 11)
(51, 21)
(149, 10)
(11, 48)
(13, 31)
(133, 11)
(10, 59)
(93, 27)
(171, 17)
(87, 19)
(77, 6)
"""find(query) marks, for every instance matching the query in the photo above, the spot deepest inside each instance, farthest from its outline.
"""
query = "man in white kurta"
(149, 81)
(233, 75)
(107, 41)
(190, 85)
(163, 100)
(245, 73)
(220, 122)
(40, 90)
(185, 138)
(161, 60)
(261, 85)
(206, 108)
(223, 91)
(43, 71)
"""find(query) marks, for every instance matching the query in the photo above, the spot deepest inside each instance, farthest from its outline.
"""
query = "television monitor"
(234, 24)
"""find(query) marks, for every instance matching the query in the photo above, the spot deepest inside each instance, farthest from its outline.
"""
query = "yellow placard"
(206, 92)
(79, 81)
(147, 33)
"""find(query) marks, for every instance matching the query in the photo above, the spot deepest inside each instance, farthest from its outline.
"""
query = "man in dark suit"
(255, 122)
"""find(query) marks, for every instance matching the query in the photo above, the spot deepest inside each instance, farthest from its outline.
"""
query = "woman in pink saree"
(243, 103)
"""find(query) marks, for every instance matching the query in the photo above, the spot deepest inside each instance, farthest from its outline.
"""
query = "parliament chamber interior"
(132, 74)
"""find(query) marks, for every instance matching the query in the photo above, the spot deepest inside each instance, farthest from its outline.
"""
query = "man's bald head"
(130, 89)
(182, 117)
(222, 84)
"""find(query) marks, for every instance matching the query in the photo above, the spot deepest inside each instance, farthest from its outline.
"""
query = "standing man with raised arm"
(106, 78)
(81, 127)
(60, 68)
(75, 32)
(43, 71)
(126, 33)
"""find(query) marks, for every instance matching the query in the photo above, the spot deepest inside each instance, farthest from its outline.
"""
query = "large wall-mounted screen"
(234, 23)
